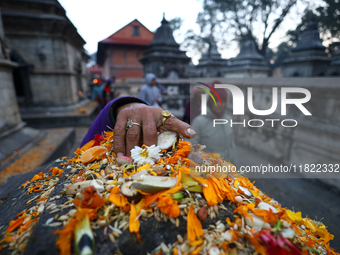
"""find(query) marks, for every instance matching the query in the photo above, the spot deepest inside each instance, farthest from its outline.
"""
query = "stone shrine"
(309, 57)
(9, 111)
(211, 63)
(46, 45)
(248, 63)
(163, 56)
(334, 69)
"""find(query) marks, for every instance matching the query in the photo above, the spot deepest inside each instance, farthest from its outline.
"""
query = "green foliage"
(176, 23)
(328, 18)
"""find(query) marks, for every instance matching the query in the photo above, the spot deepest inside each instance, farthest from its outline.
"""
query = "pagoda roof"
(310, 38)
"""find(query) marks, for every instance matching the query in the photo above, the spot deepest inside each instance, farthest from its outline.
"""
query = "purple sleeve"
(106, 119)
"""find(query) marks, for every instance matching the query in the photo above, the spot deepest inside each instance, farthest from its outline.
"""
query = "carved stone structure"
(248, 63)
(334, 69)
(211, 63)
(163, 56)
(9, 110)
(308, 58)
(49, 51)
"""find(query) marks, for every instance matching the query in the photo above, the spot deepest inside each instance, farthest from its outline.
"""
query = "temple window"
(135, 31)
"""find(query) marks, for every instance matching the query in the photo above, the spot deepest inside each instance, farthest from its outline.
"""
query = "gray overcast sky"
(96, 20)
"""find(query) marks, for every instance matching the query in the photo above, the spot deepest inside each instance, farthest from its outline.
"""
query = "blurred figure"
(97, 93)
(107, 92)
(195, 103)
(218, 139)
(162, 89)
(150, 93)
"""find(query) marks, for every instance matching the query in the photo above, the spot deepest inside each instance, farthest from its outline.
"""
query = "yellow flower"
(294, 216)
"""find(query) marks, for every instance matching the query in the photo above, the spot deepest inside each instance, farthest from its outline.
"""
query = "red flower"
(98, 139)
(277, 244)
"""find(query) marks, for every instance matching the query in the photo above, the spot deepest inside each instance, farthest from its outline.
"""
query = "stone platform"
(29, 148)
(81, 114)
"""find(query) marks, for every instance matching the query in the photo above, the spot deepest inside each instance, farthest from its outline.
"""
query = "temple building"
(163, 56)
(309, 57)
(211, 64)
(119, 54)
(248, 63)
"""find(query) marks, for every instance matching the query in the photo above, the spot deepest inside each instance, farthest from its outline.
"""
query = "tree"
(243, 15)
(211, 27)
(328, 18)
(176, 23)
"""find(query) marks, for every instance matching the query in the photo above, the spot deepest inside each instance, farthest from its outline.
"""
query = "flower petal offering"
(155, 203)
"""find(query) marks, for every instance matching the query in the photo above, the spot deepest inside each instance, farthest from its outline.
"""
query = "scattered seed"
(165, 248)
(216, 209)
(72, 212)
(123, 224)
(49, 221)
(55, 224)
(102, 223)
(54, 211)
(112, 238)
(41, 209)
(180, 239)
(177, 222)
(63, 217)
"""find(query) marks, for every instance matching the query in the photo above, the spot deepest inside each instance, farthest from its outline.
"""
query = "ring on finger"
(166, 115)
(130, 123)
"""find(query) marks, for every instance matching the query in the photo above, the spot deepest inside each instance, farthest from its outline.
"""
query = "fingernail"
(191, 132)
(119, 154)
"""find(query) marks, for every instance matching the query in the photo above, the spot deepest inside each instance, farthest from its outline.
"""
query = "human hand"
(150, 119)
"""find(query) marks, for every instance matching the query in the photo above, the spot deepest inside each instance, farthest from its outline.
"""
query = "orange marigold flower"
(194, 226)
(152, 198)
(117, 199)
(182, 152)
(38, 176)
(268, 215)
(168, 206)
(243, 210)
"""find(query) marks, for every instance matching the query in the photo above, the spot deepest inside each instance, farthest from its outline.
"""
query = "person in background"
(195, 103)
(218, 139)
(107, 92)
(150, 93)
(97, 93)
(162, 89)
